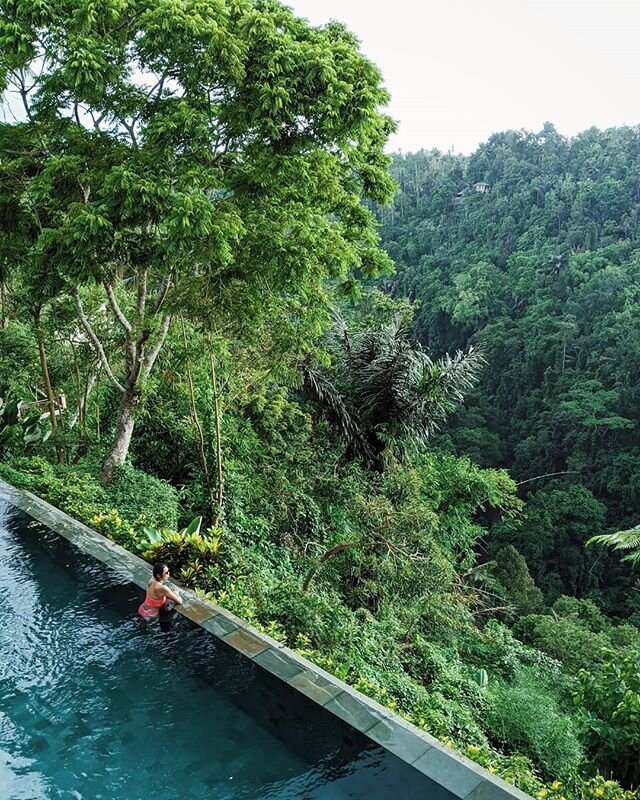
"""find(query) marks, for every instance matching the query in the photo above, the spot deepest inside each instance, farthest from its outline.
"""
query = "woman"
(158, 593)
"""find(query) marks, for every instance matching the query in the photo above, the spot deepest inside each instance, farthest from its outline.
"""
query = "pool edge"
(450, 769)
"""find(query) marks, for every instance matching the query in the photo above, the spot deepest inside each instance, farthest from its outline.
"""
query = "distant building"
(480, 186)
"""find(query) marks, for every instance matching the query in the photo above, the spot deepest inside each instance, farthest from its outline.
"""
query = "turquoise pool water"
(95, 706)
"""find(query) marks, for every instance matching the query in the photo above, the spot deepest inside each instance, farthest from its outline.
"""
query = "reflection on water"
(95, 705)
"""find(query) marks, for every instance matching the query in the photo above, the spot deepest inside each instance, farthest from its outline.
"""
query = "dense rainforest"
(206, 355)
(528, 248)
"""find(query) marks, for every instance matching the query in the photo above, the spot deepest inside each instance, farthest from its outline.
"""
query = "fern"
(621, 540)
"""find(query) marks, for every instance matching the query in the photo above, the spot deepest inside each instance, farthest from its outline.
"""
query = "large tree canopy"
(529, 246)
(204, 157)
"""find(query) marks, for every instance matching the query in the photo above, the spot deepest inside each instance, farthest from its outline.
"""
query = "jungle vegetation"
(189, 256)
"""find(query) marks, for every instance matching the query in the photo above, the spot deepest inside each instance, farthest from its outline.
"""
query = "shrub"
(570, 642)
(510, 568)
(188, 554)
(525, 717)
(609, 712)
(112, 525)
(74, 491)
(600, 788)
(496, 649)
(142, 499)
(585, 612)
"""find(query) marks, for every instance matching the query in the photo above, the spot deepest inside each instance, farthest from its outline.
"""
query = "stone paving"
(459, 775)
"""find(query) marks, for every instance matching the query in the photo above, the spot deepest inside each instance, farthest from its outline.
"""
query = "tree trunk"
(141, 351)
(196, 421)
(4, 314)
(122, 439)
(216, 412)
(44, 366)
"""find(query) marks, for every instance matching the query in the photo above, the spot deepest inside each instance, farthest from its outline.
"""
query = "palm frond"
(437, 388)
(328, 396)
(621, 540)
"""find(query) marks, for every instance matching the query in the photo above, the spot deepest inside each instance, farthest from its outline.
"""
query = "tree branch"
(22, 89)
(142, 294)
(164, 288)
(130, 128)
(548, 475)
(150, 358)
(96, 342)
(136, 358)
(116, 308)
(333, 551)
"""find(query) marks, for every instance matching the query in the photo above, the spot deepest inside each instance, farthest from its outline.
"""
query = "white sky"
(459, 70)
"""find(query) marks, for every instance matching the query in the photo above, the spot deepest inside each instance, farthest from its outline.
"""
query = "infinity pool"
(94, 706)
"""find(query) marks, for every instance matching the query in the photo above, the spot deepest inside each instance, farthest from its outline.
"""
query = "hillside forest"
(377, 406)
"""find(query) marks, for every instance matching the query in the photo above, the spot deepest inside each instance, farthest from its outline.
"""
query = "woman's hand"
(173, 595)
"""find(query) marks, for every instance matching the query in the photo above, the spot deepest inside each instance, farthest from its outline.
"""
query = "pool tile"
(245, 642)
(496, 789)
(352, 710)
(37, 745)
(450, 770)
(278, 663)
(219, 625)
(314, 686)
(196, 612)
(401, 741)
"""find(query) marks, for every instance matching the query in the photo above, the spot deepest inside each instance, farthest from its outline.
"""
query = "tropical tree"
(388, 389)
(205, 158)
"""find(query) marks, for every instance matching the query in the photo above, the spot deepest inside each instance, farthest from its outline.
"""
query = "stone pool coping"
(459, 775)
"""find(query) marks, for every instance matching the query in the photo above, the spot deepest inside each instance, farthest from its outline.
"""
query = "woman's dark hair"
(158, 569)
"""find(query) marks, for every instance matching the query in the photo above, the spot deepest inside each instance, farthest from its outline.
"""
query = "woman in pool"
(158, 594)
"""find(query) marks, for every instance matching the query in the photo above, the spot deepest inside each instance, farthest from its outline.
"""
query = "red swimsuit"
(147, 613)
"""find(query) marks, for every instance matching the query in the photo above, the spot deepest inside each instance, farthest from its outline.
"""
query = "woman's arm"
(171, 595)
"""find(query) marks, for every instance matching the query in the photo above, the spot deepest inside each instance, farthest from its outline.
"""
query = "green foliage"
(193, 557)
(511, 571)
(540, 270)
(140, 499)
(608, 703)
(113, 526)
(129, 175)
(16, 430)
(388, 390)
(143, 499)
(397, 604)
(18, 357)
(622, 540)
(563, 639)
(525, 717)
(495, 647)
(603, 789)
(9, 427)
(73, 490)
(583, 611)
(551, 537)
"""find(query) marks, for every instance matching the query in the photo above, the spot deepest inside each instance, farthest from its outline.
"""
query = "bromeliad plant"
(193, 556)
